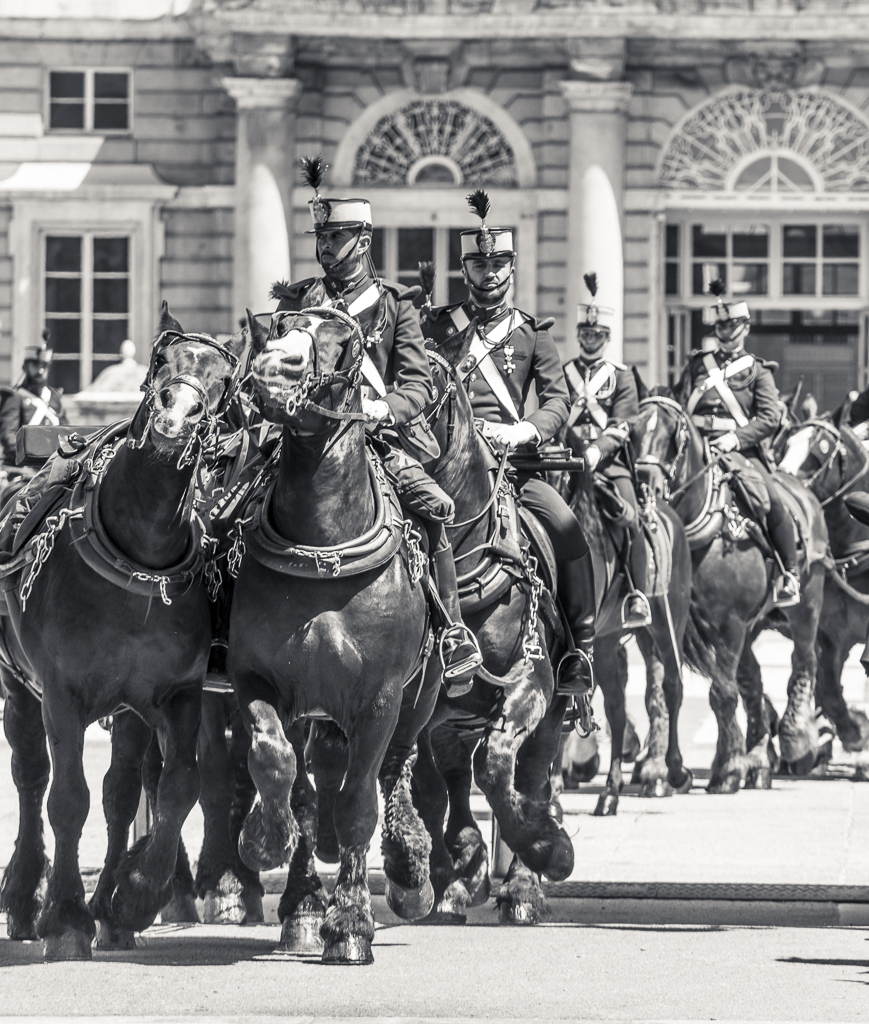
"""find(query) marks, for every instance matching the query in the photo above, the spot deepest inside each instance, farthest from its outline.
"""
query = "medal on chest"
(509, 365)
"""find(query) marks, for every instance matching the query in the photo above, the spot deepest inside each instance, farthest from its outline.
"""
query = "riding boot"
(636, 611)
(575, 675)
(786, 588)
(458, 649)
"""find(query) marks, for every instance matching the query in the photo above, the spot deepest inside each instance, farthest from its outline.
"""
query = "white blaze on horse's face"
(289, 358)
(177, 407)
(652, 422)
(797, 451)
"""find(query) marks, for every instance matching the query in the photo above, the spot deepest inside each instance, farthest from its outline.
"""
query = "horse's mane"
(585, 509)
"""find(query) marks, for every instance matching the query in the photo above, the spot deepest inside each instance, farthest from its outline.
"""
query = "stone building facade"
(149, 150)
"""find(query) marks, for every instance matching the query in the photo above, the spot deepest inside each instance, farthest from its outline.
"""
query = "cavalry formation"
(343, 549)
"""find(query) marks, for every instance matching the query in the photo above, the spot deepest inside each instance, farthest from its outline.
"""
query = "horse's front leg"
(757, 741)
(302, 909)
(612, 676)
(65, 924)
(28, 867)
(145, 876)
(122, 791)
(798, 730)
(852, 725)
(327, 756)
(244, 794)
(728, 765)
(653, 773)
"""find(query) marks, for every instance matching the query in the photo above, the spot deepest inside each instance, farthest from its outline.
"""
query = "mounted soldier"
(32, 401)
(395, 368)
(510, 350)
(604, 407)
(732, 399)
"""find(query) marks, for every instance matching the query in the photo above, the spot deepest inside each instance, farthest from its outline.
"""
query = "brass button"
(470, 394)
(473, 376)
(451, 330)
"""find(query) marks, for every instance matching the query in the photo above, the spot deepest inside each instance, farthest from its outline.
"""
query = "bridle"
(206, 430)
(839, 447)
(681, 442)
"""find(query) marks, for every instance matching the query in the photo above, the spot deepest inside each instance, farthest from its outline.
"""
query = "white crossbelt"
(481, 349)
(42, 411)
(717, 381)
(586, 394)
(362, 302)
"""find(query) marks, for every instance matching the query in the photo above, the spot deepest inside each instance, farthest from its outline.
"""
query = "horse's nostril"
(195, 410)
(167, 398)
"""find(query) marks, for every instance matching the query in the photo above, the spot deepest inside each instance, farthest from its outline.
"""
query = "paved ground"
(805, 832)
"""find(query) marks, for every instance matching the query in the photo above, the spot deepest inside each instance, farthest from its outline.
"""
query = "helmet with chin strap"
(329, 214)
(592, 320)
(722, 311)
(485, 242)
(42, 351)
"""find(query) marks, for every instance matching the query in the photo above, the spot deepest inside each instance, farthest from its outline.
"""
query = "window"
(397, 253)
(86, 303)
(89, 101)
(737, 254)
(672, 250)
(825, 256)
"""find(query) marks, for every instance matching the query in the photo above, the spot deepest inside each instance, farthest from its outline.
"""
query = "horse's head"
(191, 379)
(659, 437)
(827, 458)
(306, 366)
(450, 413)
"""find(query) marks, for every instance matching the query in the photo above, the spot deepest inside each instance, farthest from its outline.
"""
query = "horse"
(830, 459)
(329, 620)
(109, 606)
(659, 770)
(732, 597)
(512, 707)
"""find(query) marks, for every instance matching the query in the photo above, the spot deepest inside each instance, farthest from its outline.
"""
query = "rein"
(838, 447)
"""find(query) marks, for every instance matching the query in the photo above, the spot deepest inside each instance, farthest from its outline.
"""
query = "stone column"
(596, 199)
(264, 179)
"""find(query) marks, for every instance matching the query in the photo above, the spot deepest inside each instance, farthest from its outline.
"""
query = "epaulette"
(769, 364)
(438, 311)
(537, 325)
(618, 366)
(285, 290)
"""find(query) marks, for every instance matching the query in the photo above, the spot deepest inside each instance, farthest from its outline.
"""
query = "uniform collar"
(343, 289)
(486, 315)
(729, 357)
(591, 364)
(33, 387)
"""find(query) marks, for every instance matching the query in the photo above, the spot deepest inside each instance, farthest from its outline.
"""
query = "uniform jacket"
(753, 387)
(18, 409)
(619, 400)
(399, 354)
(534, 357)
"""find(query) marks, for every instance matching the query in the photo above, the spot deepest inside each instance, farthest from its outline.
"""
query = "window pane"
(65, 335)
(710, 242)
(62, 254)
(841, 278)
(110, 296)
(63, 294)
(841, 241)
(377, 250)
(704, 273)
(67, 115)
(65, 374)
(414, 245)
(671, 279)
(110, 255)
(67, 85)
(749, 279)
(672, 240)
(111, 85)
(751, 243)
(457, 290)
(800, 240)
(108, 335)
(799, 279)
(455, 248)
(110, 115)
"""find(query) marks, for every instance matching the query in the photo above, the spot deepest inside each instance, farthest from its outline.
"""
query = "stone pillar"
(264, 179)
(596, 199)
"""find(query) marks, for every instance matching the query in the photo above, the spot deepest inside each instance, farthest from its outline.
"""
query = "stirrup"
(573, 688)
(457, 634)
(780, 597)
(636, 622)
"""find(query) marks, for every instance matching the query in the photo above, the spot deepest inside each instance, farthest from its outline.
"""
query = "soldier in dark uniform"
(396, 371)
(732, 398)
(32, 401)
(604, 407)
(510, 350)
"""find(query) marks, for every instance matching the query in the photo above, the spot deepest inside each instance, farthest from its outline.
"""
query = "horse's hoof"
(471, 862)
(253, 905)
(180, 910)
(561, 858)
(682, 783)
(300, 932)
(759, 778)
(409, 904)
(20, 931)
(584, 772)
(223, 908)
(861, 741)
(353, 951)
(260, 845)
(69, 945)
(607, 805)
(726, 785)
(111, 937)
(521, 914)
(655, 790)
(631, 745)
(802, 766)
(450, 908)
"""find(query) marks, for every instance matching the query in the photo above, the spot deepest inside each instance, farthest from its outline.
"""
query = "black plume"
(427, 276)
(46, 334)
(717, 287)
(478, 201)
(280, 290)
(591, 283)
(313, 171)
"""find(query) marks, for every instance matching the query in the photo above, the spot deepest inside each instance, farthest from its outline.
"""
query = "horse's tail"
(699, 645)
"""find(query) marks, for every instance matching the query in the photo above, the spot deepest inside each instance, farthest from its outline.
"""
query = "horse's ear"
(237, 343)
(843, 413)
(167, 321)
(258, 334)
(809, 407)
(642, 390)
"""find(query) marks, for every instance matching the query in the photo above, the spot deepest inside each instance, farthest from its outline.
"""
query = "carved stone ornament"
(429, 131)
(814, 128)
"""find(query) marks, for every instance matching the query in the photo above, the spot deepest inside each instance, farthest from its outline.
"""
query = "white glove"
(592, 456)
(512, 434)
(376, 412)
(726, 443)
